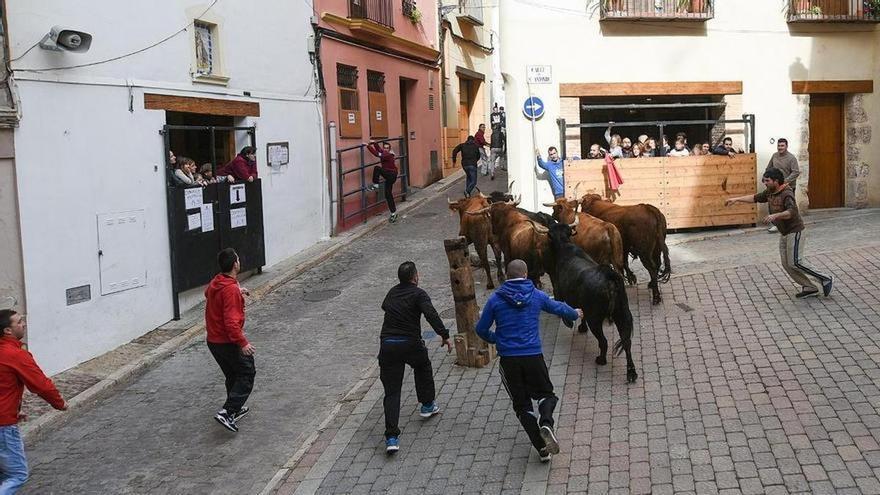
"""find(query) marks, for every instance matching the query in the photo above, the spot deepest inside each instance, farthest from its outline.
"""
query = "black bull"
(596, 289)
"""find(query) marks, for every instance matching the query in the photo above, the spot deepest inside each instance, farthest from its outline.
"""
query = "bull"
(599, 239)
(643, 231)
(477, 230)
(596, 289)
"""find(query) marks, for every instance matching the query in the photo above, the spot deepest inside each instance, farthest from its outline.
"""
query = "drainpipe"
(334, 181)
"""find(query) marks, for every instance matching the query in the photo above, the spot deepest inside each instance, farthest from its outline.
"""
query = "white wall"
(82, 151)
(748, 41)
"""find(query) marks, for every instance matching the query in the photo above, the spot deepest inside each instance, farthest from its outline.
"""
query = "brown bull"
(477, 230)
(518, 236)
(599, 239)
(643, 230)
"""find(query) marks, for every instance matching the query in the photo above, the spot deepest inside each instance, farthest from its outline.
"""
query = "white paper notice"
(207, 217)
(278, 154)
(194, 221)
(236, 194)
(238, 218)
(193, 198)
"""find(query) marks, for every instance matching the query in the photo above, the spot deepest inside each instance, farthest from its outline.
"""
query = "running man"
(515, 309)
(784, 215)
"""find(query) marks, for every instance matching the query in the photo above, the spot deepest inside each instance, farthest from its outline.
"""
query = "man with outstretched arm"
(784, 215)
(555, 173)
(515, 309)
(401, 344)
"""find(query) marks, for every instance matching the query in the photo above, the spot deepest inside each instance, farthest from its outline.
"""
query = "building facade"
(90, 155)
(468, 45)
(380, 73)
(806, 72)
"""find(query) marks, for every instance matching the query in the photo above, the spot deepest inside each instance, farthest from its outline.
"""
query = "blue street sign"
(533, 108)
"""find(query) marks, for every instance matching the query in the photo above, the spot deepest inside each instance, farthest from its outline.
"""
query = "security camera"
(65, 39)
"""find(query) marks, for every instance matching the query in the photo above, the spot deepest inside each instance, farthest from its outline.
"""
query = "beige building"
(806, 72)
(468, 47)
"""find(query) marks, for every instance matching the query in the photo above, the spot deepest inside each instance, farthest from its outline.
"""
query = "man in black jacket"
(402, 344)
(470, 156)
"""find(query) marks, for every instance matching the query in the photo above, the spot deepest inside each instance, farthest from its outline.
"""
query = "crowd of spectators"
(646, 147)
(242, 168)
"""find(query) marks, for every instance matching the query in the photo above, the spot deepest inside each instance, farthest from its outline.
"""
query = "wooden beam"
(207, 106)
(651, 88)
(820, 87)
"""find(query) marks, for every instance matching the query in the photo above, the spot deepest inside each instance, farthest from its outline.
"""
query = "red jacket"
(224, 311)
(386, 159)
(480, 138)
(18, 370)
(240, 168)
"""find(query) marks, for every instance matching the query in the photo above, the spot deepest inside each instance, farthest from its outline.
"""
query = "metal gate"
(204, 220)
(355, 171)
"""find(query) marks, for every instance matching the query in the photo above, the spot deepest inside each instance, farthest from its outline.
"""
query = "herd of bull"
(584, 252)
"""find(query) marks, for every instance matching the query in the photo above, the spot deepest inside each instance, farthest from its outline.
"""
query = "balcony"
(834, 11)
(377, 11)
(471, 11)
(656, 10)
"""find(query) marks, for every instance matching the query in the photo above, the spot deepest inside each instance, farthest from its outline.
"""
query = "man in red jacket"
(17, 370)
(224, 320)
(243, 167)
(387, 169)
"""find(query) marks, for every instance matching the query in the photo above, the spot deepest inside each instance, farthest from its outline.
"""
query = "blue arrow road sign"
(533, 108)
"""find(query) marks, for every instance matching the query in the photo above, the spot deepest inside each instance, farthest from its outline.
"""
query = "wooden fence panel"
(690, 191)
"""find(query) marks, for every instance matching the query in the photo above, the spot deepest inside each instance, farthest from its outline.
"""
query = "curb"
(39, 426)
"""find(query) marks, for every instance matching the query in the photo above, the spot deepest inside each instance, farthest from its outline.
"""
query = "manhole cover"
(427, 214)
(447, 314)
(321, 295)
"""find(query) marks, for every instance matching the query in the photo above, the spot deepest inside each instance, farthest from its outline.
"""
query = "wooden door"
(464, 113)
(826, 151)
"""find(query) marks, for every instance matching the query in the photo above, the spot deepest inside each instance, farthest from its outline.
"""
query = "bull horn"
(577, 220)
(479, 212)
(450, 201)
(481, 194)
(539, 228)
(549, 204)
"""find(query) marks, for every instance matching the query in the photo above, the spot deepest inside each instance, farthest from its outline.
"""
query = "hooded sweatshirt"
(515, 309)
(224, 311)
(470, 153)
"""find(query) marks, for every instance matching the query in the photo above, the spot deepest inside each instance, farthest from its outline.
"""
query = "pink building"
(380, 68)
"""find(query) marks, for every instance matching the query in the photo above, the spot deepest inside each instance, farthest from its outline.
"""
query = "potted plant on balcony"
(411, 11)
(871, 8)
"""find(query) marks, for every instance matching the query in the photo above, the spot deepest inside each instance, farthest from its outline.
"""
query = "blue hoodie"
(515, 309)
(555, 175)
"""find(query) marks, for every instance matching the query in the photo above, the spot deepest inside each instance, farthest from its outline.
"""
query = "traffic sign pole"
(534, 147)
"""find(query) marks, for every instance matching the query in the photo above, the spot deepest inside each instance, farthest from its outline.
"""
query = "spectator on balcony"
(206, 174)
(706, 149)
(626, 147)
(665, 146)
(650, 148)
(185, 173)
(680, 149)
(725, 148)
(613, 140)
(638, 150)
(243, 167)
(596, 152)
(643, 138)
(683, 137)
(697, 150)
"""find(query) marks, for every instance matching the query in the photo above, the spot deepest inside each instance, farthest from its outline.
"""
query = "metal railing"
(378, 11)
(472, 9)
(834, 11)
(688, 10)
(364, 174)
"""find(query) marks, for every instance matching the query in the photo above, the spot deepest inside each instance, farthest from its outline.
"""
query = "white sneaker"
(772, 229)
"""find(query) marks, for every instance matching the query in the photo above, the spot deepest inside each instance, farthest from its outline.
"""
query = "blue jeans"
(13, 464)
(470, 172)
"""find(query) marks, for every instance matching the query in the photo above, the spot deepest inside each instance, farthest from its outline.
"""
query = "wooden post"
(470, 349)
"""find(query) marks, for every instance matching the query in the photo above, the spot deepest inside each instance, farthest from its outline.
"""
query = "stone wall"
(570, 110)
(858, 158)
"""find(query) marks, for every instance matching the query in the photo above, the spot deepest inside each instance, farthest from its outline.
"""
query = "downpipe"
(334, 180)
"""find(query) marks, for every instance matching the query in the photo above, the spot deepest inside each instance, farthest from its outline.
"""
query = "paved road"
(743, 389)
(157, 435)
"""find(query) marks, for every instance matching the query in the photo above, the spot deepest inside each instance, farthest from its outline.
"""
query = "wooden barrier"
(690, 191)
(471, 350)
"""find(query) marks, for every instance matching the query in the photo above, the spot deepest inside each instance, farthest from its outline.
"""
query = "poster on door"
(236, 194)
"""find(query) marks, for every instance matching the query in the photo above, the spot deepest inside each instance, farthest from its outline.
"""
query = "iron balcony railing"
(661, 10)
(378, 11)
(472, 9)
(834, 11)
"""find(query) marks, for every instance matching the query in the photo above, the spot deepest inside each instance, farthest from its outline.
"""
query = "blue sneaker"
(429, 410)
(392, 445)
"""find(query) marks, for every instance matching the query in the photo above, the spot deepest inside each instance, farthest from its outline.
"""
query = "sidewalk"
(742, 389)
(98, 377)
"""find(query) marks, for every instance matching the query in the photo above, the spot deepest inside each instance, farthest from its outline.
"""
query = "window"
(378, 105)
(206, 62)
(349, 107)
(204, 48)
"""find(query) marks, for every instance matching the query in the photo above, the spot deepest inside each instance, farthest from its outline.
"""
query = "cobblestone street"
(742, 390)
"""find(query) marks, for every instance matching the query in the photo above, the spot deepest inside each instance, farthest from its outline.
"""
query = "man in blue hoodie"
(515, 309)
(555, 174)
